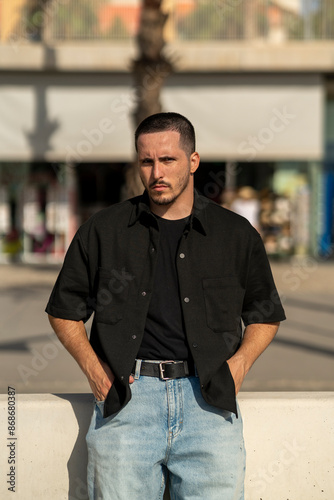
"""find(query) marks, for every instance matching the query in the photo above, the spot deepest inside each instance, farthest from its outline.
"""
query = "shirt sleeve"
(262, 303)
(70, 297)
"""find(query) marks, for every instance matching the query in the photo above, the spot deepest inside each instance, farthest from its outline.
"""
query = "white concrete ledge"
(289, 440)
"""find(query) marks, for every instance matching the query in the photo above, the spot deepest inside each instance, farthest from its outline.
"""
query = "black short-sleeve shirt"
(224, 280)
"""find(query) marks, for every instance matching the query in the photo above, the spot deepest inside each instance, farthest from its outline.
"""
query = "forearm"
(73, 335)
(256, 339)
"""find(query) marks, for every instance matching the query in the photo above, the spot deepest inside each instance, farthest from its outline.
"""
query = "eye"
(146, 161)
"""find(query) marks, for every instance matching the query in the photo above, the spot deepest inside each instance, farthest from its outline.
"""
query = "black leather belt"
(166, 369)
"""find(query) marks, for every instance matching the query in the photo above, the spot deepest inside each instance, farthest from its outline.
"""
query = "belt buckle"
(162, 369)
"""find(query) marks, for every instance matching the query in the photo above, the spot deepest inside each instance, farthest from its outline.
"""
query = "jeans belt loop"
(137, 369)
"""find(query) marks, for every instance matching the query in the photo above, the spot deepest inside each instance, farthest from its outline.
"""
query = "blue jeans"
(167, 427)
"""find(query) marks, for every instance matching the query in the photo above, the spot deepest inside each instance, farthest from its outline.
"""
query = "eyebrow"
(161, 158)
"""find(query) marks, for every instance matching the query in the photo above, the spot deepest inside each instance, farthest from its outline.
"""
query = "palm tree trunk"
(149, 71)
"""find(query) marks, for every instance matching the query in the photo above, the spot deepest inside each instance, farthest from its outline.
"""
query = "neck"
(167, 212)
(179, 209)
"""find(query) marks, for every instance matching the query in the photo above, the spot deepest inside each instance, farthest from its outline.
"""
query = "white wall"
(289, 440)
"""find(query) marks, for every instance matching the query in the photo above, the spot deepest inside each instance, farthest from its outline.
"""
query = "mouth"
(159, 187)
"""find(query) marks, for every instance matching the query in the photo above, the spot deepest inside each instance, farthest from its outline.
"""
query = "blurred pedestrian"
(247, 204)
(12, 245)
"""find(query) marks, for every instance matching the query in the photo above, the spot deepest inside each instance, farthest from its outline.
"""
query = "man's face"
(165, 169)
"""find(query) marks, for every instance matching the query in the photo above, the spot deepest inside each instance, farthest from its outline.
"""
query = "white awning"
(83, 118)
(253, 118)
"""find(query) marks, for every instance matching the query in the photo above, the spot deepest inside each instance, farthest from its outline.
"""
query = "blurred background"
(255, 77)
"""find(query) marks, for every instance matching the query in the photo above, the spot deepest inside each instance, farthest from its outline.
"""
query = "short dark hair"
(161, 122)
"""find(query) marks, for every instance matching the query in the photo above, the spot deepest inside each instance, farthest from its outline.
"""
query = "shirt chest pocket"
(222, 303)
(111, 296)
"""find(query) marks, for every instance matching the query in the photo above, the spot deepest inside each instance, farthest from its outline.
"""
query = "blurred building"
(255, 77)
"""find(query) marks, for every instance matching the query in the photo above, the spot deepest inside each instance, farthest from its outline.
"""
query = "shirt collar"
(198, 220)
(141, 209)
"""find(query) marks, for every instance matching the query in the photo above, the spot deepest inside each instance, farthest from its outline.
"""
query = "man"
(169, 275)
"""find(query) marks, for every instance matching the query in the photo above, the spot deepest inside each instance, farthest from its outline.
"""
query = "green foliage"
(323, 20)
(218, 20)
(33, 20)
(294, 26)
(205, 22)
(228, 19)
(118, 30)
(76, 19)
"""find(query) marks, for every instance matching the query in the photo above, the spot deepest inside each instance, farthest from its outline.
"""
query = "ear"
(194, 162)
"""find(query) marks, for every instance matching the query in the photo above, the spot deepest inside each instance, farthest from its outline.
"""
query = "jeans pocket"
(100, 406)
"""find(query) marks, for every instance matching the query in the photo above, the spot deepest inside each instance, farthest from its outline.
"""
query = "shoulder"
(223, 224)
(217, 214)
(116, 216)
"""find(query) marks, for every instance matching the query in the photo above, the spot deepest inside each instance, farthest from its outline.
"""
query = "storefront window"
(274, 197)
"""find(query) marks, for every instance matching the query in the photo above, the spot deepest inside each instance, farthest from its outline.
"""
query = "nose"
(157, 170)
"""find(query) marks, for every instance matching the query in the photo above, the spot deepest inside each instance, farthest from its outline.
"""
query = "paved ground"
(300, 358)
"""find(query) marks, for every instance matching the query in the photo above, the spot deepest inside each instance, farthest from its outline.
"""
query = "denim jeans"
(166, 430)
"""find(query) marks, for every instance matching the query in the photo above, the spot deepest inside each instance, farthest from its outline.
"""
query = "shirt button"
(152, 249)
(186, 299)
(143, 294)
(134, 337)
(195, 345)
(182, 255)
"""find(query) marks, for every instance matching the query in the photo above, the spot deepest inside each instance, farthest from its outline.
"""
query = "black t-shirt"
(164, 335)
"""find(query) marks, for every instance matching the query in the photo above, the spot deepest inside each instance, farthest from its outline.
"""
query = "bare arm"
(256, 339)
(73, 336)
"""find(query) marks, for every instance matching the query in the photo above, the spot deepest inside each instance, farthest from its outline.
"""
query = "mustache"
(159, 183)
